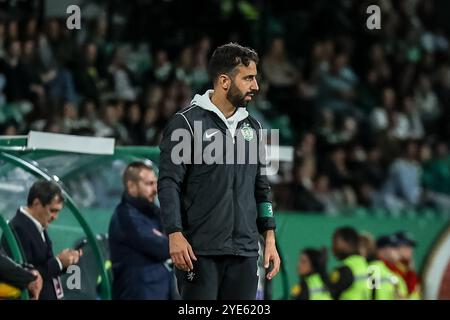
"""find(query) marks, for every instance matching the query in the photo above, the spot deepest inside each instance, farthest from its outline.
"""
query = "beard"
(236, 97)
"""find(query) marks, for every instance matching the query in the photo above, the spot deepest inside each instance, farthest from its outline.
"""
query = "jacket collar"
(204, 102)
(141, 204)
(38, 225)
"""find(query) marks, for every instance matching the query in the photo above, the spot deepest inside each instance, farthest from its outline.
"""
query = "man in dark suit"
(45, 201)
(139, 248)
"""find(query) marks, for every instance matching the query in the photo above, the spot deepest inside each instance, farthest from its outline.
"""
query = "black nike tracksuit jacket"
(220, 208)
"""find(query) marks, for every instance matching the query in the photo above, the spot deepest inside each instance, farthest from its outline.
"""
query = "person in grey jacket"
(214, 194)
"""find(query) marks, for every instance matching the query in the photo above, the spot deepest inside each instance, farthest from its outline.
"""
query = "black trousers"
(219, 278)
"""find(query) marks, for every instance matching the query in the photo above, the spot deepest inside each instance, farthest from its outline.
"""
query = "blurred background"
(363, 113)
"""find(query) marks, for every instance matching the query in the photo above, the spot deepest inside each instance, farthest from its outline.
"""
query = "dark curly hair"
(227, 57)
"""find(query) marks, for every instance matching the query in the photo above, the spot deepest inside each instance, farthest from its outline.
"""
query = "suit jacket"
(37, 252)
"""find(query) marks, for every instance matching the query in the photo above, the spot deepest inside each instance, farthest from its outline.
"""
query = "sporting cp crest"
(247, 132)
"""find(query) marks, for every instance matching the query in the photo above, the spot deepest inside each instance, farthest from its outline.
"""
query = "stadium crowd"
(365, 110)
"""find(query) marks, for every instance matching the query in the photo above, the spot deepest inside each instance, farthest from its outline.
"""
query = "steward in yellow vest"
(311, 286)
(383, 283)
(386, 284)
(349, 281)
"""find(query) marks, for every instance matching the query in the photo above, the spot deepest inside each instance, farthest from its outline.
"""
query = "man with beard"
(139, 248)
(215, 209)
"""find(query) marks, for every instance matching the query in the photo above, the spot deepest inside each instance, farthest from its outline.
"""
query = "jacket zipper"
(236, 251)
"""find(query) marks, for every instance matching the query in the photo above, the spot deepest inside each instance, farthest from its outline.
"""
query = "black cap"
(386, 241)
(405, 238)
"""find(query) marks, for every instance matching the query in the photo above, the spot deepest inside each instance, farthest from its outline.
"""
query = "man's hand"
(69, 257)
(181, 252)
(35, 286)
(271, 254)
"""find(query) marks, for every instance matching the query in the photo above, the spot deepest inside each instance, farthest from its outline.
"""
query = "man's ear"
(36, 203)
(131, 188)
(224, 82)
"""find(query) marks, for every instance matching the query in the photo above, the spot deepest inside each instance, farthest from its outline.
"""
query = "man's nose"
(255, 86)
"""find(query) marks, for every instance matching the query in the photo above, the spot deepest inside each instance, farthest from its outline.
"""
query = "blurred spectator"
(139, 248)
(133, 124)
(70, 122)
(325, 196)
(405, 248)
(349, 280)
(379, 118)
(311, 264)
(2, 38)
(16, 82)
(56, 49)
(414, 121)
(88, 115)
(162, 67)
(122, 76)
(306, 148)
(426, 100)
(338, 85)
(281, 76)
(9, 129)
(33, 69)
(200, 77)
(89, 77)
(402, 188)
(184, 69)
(371, 175)
(109, 125)
(340, 178)
(304, 198)
(386, 249)
(278, 71)
(388, 284)
(13, 30)
(31, 29)
(436, 171)
(327, 133)
(99, 36)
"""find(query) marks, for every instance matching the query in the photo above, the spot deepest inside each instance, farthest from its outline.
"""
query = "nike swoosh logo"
(208, 136)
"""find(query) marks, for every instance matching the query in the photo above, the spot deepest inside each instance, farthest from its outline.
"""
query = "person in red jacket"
(405, 248)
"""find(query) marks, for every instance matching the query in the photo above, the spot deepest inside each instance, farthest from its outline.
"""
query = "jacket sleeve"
(341, 279)
(13, 274)
(300, 291)
(171, 173)
(51, 267)
(263, 192)
(144, 236)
